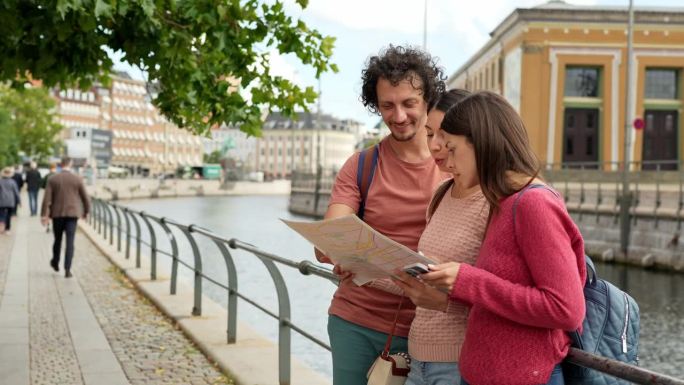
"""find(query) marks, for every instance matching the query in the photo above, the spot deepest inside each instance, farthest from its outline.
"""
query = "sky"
(456, 29)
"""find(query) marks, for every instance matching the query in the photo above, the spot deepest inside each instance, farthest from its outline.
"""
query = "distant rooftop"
(560, 11)
(307, 121)
(561, 4)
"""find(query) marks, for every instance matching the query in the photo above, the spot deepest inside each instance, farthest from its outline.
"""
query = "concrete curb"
(126, 189)
(251, 360)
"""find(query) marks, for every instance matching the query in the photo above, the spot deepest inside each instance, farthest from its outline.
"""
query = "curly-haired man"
(400, 84)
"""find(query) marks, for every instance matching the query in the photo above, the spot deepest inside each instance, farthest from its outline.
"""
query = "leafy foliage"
(9, 151)
(195, 52)
(27, 124)
(213, 157)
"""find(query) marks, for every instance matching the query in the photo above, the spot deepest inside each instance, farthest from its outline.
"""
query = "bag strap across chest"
(368, 162)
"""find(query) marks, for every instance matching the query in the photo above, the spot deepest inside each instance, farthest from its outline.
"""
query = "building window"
(661, 84)
(582, 82)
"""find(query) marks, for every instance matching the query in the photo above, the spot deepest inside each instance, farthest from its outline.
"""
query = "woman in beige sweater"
(457, 218)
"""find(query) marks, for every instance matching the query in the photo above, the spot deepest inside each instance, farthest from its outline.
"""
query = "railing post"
(105, 218)
(92, 212)
(637, 195)
(174, 253)
(153, 246)
(110, 222)
(317, 188)
(680, 170)
(118, 227)
(232, 291)
(95, 214)
(197, 306)
(283, 318)
(658, 200)
(128, 232)
(138, 241)
(618, 198)
(100, 215)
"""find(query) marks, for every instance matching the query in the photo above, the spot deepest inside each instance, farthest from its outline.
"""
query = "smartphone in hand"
(416, 269)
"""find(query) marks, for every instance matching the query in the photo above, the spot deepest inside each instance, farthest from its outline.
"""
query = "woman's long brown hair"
(500, 141)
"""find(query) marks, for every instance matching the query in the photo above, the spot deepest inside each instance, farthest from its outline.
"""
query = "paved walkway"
(93, 328)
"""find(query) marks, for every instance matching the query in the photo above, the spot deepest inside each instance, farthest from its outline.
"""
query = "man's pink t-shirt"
(395, 206)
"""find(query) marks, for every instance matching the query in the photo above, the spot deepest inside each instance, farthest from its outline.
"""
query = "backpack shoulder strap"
(520, 194)
(368, 162)
(517, 199)
(438, 196)
(591, 270)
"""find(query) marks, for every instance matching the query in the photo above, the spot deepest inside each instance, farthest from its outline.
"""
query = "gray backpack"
(610, 327)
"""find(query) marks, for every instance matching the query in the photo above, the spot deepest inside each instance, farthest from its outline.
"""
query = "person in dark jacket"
(33, 182)
(53, 171)
(9, 199)
(43, 184)
(18, 178)
(64, 202)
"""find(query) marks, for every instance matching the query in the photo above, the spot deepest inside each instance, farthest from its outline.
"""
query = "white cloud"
(281, 67)
(385, 15)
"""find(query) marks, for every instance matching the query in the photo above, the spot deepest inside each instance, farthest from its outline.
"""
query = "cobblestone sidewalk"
(67, 335)
(149, 347)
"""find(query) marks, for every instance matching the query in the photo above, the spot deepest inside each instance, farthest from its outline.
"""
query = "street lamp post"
(626, 198)
(319, 167)
(425, 25)
(292, 149)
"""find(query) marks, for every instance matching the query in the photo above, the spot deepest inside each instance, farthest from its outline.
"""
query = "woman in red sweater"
(525, 290)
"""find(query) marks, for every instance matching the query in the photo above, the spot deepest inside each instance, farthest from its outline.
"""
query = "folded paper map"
(357, 247)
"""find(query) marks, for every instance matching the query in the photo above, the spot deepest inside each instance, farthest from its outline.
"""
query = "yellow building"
(563, 67)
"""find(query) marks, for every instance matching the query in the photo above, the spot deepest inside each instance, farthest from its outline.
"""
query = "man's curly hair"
(398, 63)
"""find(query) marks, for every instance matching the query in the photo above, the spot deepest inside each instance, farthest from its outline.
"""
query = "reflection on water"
(255, 220)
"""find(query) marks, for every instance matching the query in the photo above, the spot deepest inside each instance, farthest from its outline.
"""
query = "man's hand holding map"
(357, 247)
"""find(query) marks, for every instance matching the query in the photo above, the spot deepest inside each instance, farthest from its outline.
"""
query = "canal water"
(256, 220)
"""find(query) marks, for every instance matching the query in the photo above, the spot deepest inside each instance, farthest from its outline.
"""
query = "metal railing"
(594, 188)
(109, 218)
(103, 222)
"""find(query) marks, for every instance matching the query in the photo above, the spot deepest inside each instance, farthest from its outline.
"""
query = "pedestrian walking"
(33, 183)
(64, 202)
(18, 178)
(9, 199)
(43, 185)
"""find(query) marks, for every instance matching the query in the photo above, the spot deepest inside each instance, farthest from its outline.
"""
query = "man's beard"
(405, 138)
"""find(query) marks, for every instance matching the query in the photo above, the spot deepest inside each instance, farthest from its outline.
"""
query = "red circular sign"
(638, 124)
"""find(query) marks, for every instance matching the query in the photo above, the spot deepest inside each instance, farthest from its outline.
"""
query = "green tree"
(9, 151)
(194, 52)
(27, 123)
(213, 157)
